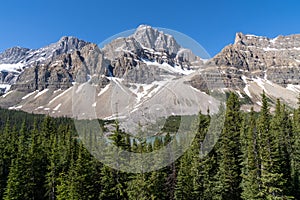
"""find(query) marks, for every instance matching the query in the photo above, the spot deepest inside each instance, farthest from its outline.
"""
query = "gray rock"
(277, 59)
(61, 72)
(13, 55)
(152, 38)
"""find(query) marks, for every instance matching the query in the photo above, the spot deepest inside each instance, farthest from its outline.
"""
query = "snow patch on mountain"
(41, 93)
(57, 107)
(103, 90)
(165, 66)
(60, 95)
(15, 68)
(5, 87)
(246, 89)
(28, 95)
(294, 88)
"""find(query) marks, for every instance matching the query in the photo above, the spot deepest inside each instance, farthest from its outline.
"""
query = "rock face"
(13, 55)
(254, 64)
(16, 60)
(157, 40)
(277, 59)
(140, 69)
(137, 56)
(61, 72)
(29, 56)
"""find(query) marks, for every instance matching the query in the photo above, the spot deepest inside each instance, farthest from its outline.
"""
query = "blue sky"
(211, 23)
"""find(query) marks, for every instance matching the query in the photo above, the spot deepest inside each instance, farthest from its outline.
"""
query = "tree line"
(256, 156)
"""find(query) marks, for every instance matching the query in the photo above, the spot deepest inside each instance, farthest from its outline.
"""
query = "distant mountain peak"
(13, 55)
(144, 26)
(152, 38)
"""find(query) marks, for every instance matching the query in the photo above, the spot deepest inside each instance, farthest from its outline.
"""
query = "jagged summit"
(140, 65)
(149, 47)
(154, 39)
(13, 55)
(28, 56)
(14, 60)
(279, 42)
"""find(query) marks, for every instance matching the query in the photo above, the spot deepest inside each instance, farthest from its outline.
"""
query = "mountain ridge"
(139, 69)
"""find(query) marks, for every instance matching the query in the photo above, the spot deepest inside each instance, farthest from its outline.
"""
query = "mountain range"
(147, 75)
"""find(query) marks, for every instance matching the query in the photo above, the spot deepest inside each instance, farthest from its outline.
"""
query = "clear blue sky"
(212, 23)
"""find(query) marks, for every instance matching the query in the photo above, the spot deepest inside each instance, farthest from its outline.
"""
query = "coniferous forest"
(256, 157)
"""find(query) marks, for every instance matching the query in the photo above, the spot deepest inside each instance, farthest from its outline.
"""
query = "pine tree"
(157, 178)
(66, 188)
(212, 159)
(184, 181)
(52, 174)
(5, 157)
(19, 174)
(36, 172)
(295, 155)
(113, 181)
(200, 156)
(250, 184)
(139, 185)
(271, 179)
(229, 166)
(281, 148)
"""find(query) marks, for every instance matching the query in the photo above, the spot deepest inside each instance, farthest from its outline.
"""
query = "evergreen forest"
(257, 156)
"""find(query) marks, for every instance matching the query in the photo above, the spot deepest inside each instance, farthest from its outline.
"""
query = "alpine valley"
(147, 71)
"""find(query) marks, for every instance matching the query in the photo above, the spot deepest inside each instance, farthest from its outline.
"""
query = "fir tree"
(18, 186)
(250, 184)
(229, 166)
(271, 179)
(295, 155)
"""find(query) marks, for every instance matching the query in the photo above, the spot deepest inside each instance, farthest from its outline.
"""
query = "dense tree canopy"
(257, 156)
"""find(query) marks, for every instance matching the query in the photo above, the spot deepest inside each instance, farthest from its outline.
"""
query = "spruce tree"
(229, 171)
(113, 181)
(281, 148)
(184, 181)
(250, 184)
(295, 155)
(271, 179)
(19, 174)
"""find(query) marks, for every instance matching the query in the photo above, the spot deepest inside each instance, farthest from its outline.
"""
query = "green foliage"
(228, 184)
(256, 157)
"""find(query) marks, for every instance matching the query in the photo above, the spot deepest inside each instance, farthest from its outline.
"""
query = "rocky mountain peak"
(64, 45)
(154, 39)
(147, 50)
(13, 55)
(280, 42)
(143, 62)
(16, 60)
(28, 56)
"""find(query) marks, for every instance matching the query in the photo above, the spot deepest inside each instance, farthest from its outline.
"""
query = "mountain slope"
(13, 61)
(254, 63)
(148, 72)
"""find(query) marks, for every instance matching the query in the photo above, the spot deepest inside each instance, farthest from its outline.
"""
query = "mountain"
(254, 63)
(13, 61)
(152, 51)
(133, 72)
(147, 76)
